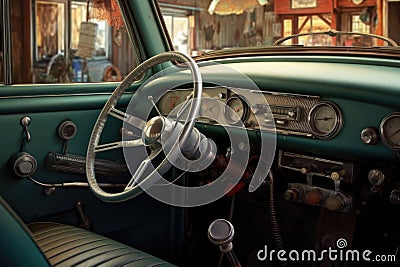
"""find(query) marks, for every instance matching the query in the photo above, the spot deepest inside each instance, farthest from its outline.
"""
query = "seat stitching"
(57, 233)
(120, 256)
(89, 256)
(58, 247)
(49, 229)
(136, 260)
(113, 257)
(75, 254)
(58, 239)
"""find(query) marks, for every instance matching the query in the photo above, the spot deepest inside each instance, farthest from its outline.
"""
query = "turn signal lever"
(220, 233)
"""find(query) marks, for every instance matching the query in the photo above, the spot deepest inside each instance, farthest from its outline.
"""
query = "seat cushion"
(66, 245)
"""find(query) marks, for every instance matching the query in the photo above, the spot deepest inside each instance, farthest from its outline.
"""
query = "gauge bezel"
(338, 122)
(382, 132)
(245, 114)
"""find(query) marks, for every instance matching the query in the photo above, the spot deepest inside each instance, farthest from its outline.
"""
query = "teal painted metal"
(366, 93)
(49, 103)
(150, 28)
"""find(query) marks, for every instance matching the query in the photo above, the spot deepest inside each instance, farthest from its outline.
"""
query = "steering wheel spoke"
(119, 144)
(138, 123)
(140, 171)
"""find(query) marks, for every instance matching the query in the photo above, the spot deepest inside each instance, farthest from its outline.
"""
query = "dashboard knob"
(66, 130)
(294, 194)
(22, 165)
(376, 177)
(335, 176)
(313, 197)
(395, 196)
(334, 203)
(220, 232)
(369, 136)
(304, 170)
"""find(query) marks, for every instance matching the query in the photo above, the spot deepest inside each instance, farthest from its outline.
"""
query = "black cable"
(276, 233)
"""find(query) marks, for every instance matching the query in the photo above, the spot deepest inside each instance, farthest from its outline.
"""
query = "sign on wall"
(303, 3)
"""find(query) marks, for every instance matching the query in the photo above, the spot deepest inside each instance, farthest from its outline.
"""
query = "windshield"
(199, 26)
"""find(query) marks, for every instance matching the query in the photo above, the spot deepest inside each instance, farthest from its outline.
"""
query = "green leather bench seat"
(65, 245)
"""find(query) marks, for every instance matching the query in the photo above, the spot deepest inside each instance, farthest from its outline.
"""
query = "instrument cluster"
(290, 114)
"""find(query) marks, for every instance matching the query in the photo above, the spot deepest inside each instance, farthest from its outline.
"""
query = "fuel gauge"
(390, 130)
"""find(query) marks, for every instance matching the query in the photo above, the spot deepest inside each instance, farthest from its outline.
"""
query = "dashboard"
(287, 114)
(326, 143)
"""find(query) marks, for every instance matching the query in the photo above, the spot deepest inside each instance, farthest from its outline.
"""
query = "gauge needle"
(324, 119)
(172, 102)
(398, 131)
(213, 106)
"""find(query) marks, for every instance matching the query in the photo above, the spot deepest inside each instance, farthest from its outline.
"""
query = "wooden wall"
(122, 53)
(21, 42)
(251, 28)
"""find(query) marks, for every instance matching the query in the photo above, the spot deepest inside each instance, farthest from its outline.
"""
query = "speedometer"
(325, 120)
(390, 130)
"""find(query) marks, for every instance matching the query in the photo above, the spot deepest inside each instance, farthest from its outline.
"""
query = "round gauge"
(390, 130)
(209, 108)
(325, 120)
(236, 110)
(171, 100)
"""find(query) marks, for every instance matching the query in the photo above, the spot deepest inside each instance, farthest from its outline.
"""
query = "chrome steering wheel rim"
(189, 123)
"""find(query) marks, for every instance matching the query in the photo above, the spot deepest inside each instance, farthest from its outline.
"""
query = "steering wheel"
(152, 131)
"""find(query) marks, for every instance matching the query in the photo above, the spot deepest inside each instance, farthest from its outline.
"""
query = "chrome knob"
(220, 232)
(25, 122)
(376, 177)
(395, 196)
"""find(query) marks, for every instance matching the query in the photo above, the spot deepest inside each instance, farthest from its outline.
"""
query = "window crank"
(25, 122)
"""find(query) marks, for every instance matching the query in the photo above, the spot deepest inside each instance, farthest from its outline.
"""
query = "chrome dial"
(236, 110)
(325, 120)
(390, 130)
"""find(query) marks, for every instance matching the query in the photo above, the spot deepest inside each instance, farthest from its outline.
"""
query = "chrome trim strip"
(283, 94)
(58, 95)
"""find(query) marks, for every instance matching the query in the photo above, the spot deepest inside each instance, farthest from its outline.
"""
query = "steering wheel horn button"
(153, 130)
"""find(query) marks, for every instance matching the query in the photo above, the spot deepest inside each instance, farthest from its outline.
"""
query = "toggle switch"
(25, 122)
